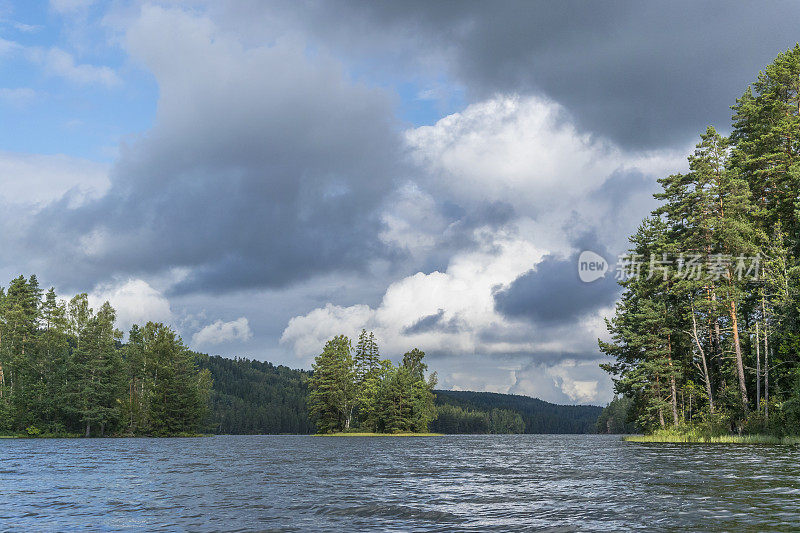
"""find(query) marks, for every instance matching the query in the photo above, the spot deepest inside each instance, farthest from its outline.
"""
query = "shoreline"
(368, 434)
(24, 436)
(722, 439)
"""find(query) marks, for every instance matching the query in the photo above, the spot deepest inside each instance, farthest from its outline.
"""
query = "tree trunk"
(673, 389)
(660, 399)
(88, 429)
(766, 379)
(706, 376)
(738, 350)
(766, 359)
(758, 371)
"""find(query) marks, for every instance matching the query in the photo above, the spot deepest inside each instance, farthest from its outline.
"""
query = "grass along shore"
(366, 434)
(688, 438)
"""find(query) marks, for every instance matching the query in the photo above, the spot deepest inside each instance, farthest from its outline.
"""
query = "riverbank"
(346, 434)
(81, 436)
(721, 439)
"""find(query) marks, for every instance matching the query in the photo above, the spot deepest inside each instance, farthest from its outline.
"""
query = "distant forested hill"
(538, 416)
(254, 397)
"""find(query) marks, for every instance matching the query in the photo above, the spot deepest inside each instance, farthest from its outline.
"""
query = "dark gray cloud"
(459, 233)
(553, 294)
(434, 322)
(645, 74)
(264, 167)
(268, 165)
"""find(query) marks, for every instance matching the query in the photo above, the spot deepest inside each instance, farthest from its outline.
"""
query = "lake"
(451, 483)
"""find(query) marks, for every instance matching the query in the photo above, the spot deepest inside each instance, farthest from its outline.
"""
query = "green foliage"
(457, 420)
(179, 395)
(256, 398)
(679, 437)
(333, 387)
(356, 390)
(453, 419)
(64, 370)
(617, 417)
(473, 414)
(710, 355)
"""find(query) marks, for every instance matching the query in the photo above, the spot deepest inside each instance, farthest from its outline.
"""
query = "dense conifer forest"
(510, 413)
(65, 371)
(252, 397)
(706, 337)
(617, 418)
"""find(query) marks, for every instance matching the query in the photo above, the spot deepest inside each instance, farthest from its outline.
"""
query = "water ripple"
(453, 483)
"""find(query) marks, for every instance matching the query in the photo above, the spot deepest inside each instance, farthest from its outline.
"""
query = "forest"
(705, 338)
(256, 398)
(490, 412)
(65, 371)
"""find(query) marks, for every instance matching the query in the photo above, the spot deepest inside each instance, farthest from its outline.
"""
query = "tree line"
(491, 412)
(256, 398)
(352, 388)
(453, 419)
(707, 332)
(617, 417)
(64, 370)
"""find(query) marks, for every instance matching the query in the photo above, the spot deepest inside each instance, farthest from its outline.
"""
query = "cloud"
(440, 312)
(40, 179)
(528, 153)
(276, 168)
(8, 47)
(17, 97)
(552, 293)
(57, 62)
(265, 166)
(568, 381)
(70, 6)
(25, 28)
(135, 301)
(220, 332)
(628, 71)
(508, 291)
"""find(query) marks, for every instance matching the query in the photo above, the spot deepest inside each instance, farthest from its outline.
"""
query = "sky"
(264, 176)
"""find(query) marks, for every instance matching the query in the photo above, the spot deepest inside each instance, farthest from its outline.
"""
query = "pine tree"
(332, 387)
(179, 392)
(766, 136)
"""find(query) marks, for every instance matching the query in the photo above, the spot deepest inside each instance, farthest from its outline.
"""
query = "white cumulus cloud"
(58, 62)
(522, 152)
(135, 301)
(219, 332)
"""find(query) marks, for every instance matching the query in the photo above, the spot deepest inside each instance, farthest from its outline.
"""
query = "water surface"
(452, 483)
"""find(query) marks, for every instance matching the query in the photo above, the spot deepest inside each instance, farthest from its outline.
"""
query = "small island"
(352, 392)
